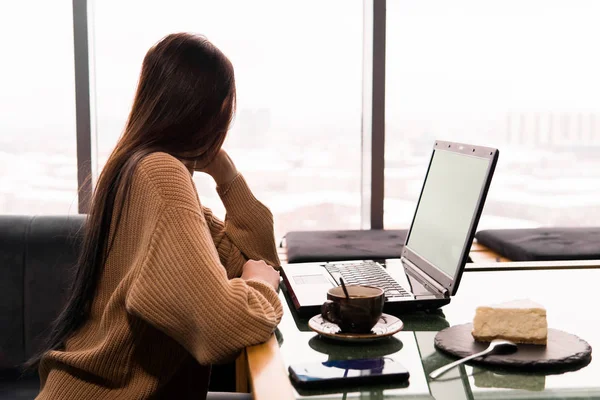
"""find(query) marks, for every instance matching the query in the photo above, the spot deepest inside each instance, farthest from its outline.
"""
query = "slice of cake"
(521, 321)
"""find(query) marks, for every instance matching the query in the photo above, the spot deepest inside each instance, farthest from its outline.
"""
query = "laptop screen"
(447, 207)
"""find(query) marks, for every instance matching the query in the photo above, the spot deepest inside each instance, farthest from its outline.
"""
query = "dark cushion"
(37, 258)
(53, 246)
(543, 244)
(311, 246)
(29, 389)
(13, 231)
(26, 388)
(228, 396)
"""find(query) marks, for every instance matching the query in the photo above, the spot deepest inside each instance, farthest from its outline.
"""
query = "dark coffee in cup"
(357, 314)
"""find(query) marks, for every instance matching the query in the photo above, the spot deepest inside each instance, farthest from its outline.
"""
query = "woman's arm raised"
(247, 233)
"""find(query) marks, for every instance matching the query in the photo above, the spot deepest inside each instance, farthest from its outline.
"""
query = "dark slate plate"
(564, 351)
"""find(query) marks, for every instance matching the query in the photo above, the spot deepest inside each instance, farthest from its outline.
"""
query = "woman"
(155, 299)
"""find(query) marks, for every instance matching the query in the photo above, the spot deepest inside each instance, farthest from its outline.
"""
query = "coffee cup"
(357, 313)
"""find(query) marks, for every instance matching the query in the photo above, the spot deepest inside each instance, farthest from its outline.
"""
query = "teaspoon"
(497, 346)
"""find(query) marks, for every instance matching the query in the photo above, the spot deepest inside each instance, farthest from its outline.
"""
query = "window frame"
(373, 108)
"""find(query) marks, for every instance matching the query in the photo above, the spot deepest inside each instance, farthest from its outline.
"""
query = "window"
(38, 166)
(518, 75)
(297, 133)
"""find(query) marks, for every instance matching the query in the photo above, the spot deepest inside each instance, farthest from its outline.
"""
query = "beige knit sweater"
(168, 303)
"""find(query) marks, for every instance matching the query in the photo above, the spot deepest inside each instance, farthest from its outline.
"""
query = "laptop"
(437, 244)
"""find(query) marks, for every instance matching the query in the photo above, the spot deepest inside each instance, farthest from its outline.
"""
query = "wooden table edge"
(267, 375)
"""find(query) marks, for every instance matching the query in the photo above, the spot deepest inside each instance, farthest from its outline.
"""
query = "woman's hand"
(221, 168)
(262, 271)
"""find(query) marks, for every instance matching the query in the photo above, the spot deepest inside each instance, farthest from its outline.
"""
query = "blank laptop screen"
(447, 208)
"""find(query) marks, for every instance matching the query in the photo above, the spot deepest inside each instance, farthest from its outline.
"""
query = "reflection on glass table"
(473, 382)
(371, 374)
(344, 351)
(309, 348)
(568, 295)
(488, 384)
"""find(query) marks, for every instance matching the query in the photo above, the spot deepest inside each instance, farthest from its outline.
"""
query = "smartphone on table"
(339, 374)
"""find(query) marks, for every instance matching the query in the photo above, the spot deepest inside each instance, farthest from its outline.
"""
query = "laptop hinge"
(423, 278)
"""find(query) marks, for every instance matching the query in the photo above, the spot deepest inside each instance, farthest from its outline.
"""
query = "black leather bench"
(37, 255)
(543, 244)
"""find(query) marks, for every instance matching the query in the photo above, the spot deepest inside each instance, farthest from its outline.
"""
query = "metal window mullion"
(373, 118)
(82, 104)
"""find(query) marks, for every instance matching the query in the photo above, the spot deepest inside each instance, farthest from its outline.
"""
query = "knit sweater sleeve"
(182, 289)
(247, 232)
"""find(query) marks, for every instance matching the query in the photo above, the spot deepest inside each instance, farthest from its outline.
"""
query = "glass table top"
(571, 300)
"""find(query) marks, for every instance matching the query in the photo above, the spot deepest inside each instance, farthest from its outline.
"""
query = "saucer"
(387, 326)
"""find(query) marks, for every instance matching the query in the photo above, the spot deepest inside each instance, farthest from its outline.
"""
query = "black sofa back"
(37, 256)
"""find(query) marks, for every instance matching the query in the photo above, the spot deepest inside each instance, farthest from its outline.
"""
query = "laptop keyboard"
(367, 273)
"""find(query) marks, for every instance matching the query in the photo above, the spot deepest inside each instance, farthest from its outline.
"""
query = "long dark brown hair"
(183, 106)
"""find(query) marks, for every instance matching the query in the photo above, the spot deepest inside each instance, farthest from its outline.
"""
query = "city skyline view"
(532, 93)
